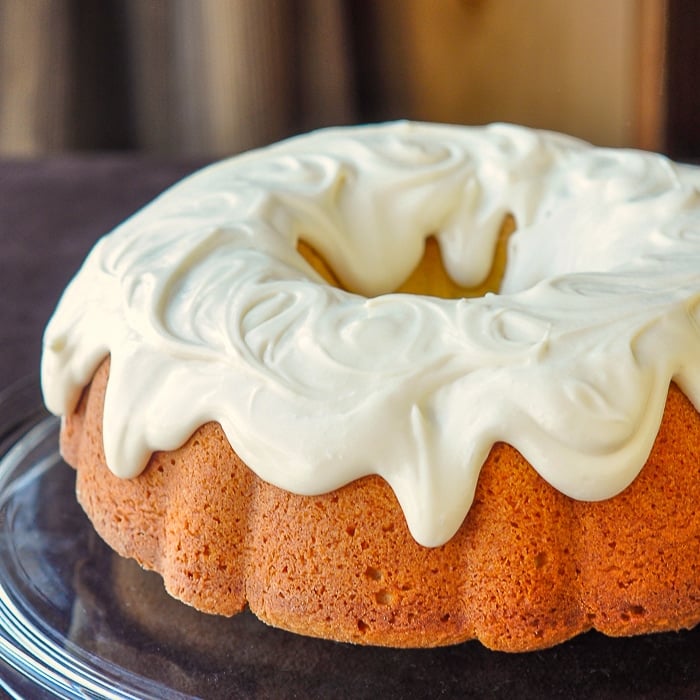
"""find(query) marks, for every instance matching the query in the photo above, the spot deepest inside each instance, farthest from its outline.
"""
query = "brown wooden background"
(211, 77)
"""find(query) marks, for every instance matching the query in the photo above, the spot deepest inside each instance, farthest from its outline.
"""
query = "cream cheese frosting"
(209, 313)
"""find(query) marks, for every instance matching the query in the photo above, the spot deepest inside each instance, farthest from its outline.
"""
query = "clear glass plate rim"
(31, 651)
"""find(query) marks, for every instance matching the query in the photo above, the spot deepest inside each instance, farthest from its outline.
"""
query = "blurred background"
(206, 78)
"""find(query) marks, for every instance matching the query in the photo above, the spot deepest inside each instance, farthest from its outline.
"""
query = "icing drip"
(210, 313)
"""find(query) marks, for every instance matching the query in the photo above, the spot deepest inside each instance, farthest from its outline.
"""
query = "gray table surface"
(51, 212)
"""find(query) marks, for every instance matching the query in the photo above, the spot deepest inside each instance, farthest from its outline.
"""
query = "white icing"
(209, 313)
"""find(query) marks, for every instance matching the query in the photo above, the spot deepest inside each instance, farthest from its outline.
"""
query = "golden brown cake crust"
(529, 567)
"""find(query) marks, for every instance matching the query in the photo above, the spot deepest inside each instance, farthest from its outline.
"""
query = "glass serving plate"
(78, 621)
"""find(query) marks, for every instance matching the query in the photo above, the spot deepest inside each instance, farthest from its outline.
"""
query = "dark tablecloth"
(51, 213)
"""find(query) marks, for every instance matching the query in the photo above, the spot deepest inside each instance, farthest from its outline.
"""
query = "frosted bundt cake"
(268, 401)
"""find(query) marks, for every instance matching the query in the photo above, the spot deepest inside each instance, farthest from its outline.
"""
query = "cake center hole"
(430, 277)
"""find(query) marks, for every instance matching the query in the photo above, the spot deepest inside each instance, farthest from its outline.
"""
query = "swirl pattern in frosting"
(209, 313)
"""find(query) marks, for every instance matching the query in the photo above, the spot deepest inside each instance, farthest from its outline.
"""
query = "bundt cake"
(405, 384)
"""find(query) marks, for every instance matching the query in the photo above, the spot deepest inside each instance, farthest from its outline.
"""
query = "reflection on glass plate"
(78, 621)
